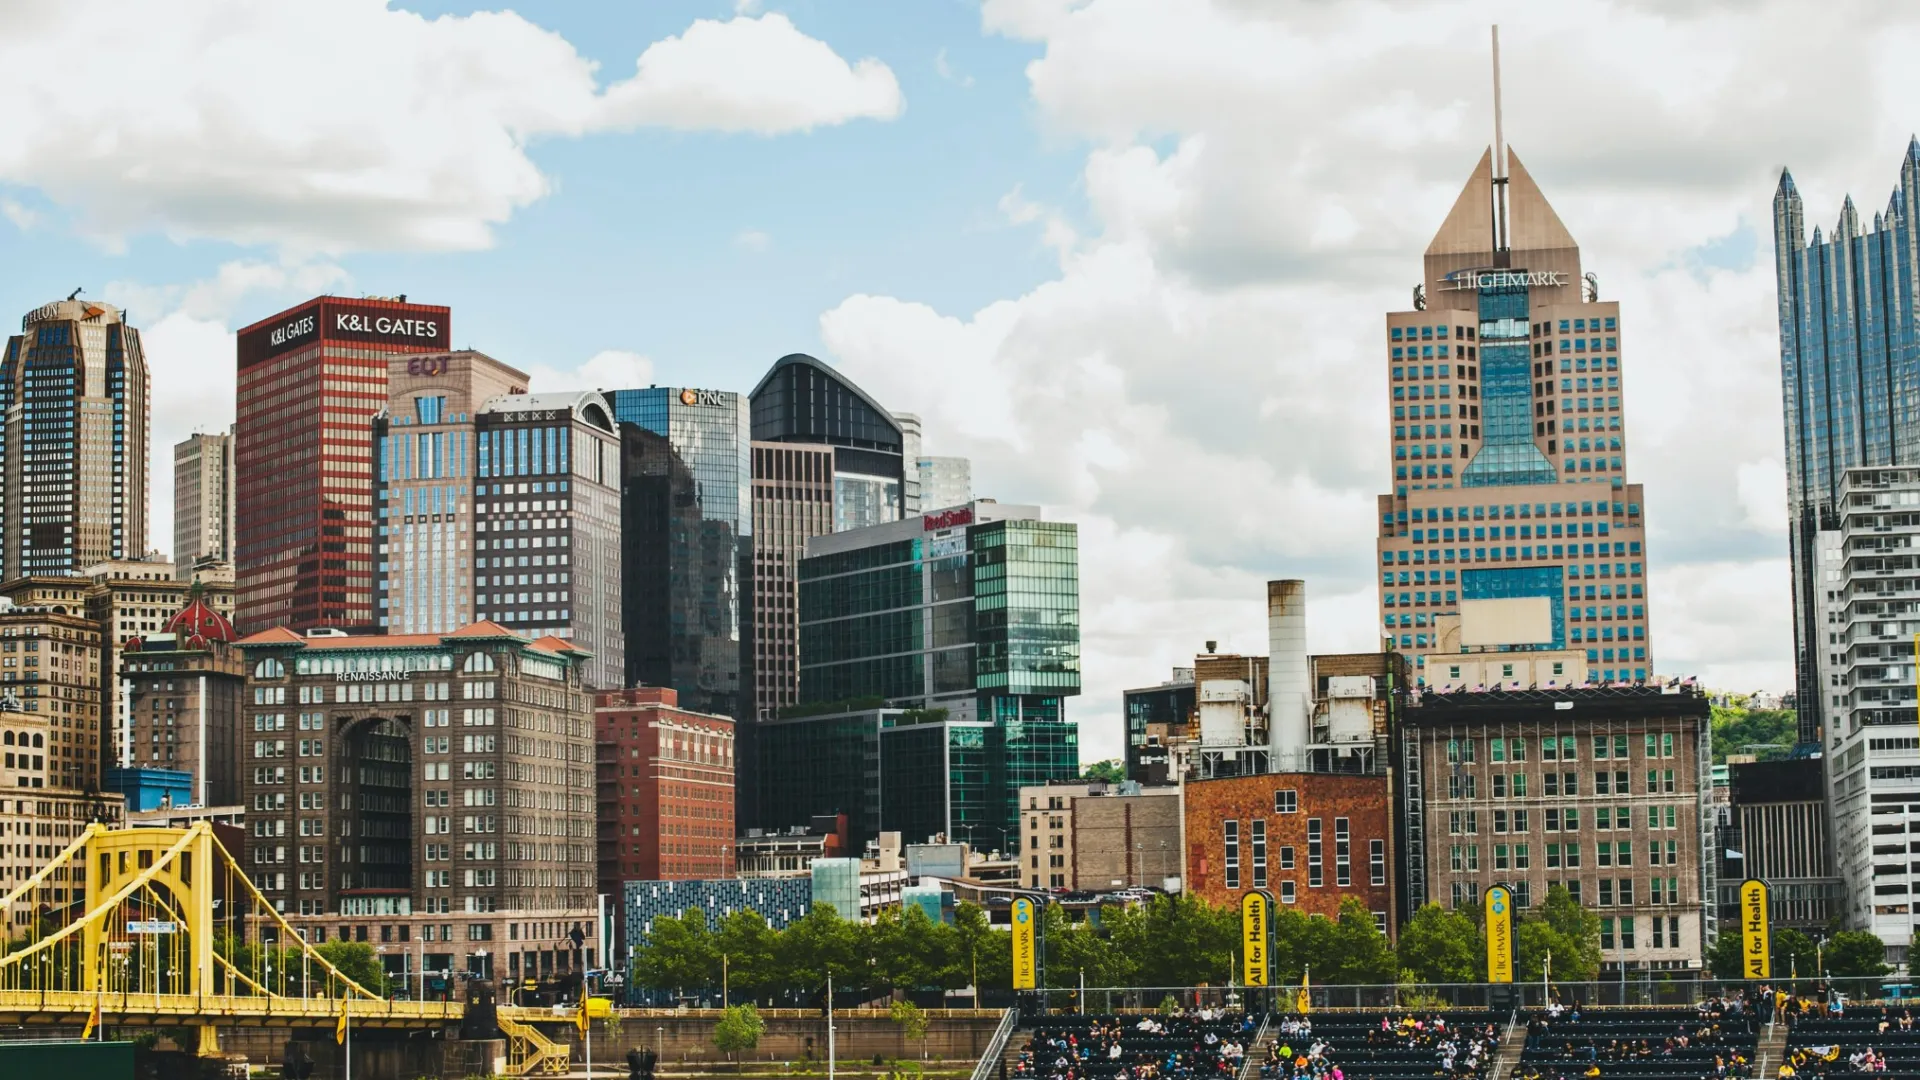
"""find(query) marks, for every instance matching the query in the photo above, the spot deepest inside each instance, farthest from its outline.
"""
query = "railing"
(1636, 989)
(81, 1003)
(1250, 1066)
(529, 1052)
(997, 1046)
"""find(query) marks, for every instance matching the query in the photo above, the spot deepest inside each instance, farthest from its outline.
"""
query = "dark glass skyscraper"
(1850, 384)
(687, 542)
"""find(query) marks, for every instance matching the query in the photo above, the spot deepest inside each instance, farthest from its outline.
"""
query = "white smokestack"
(1289, 697)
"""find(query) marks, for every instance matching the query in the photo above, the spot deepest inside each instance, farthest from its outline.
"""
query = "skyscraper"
(73, 473)
(424, 442)
(826, 458)
(547, 530)
(687, 542)
(310, 381)
(202, 500)
(1508, 437)
(1849, 372)
(944, 482)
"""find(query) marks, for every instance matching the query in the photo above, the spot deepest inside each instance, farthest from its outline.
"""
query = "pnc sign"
(1502, 279)
(702, 397)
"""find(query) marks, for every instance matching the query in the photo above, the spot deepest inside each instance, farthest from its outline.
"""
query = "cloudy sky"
(1131, 256)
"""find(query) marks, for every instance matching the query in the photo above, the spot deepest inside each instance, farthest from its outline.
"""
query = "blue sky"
(1130, 256)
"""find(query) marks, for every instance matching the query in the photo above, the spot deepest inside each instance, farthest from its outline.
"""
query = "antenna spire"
(1501, 238)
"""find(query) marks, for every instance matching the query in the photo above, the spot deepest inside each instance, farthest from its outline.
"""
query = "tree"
(357, 961)
(747, 943)
(1793, 953)
(1562, 927)
(816, 945)
(1856, 953)
(911, 1019)
(739, 1029)
(986, 953)
(1441, 946)
(1171, 941)
(1110, 771)
(1736, 727)
(1726, 959)
(679, 954)
(1360, 953)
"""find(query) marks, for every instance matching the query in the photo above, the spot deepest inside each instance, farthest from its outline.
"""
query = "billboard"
(1756, 954)
(389, 324)
(1499, 934)
(1519, 620)
(1025, 956)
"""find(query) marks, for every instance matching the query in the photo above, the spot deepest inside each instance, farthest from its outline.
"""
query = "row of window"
(1465, 858)
(1465, 785)
(1257, 843)
(1606, 818)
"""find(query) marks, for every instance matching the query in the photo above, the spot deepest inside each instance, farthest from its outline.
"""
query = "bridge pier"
(398, 1055)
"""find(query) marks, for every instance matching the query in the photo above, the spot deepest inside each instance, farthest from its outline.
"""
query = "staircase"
(1257, 1049)
(1003, 1050)
(1513, 1042)
(1771, 1050)
(529, 1052)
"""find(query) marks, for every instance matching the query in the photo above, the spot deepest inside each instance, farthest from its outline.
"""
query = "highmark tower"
(1509, 467)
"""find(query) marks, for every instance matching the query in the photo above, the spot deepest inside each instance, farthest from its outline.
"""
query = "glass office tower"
(688, 543)
(1850, 385)
(944, 649)
(1508, 436)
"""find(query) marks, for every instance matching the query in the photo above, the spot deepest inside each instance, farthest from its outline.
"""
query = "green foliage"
(910, 1018)
(1735, 727)
(1856, 953)
(1793, 952)
(679, 954)
(357, 961)
(748, 943)
(1347, 949)
(1725, 958)
(739, 1029)
(922, 716)
(1565, 929)
(1110, 771)
(1441, 946)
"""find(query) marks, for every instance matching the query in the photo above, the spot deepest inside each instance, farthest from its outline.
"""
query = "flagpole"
(346, 1017)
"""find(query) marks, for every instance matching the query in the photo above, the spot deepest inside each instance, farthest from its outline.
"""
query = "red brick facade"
(665, 789)
(1274, 843)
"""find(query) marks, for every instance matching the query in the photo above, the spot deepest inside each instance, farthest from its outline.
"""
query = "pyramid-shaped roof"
(1531, 223)
(1468, 229)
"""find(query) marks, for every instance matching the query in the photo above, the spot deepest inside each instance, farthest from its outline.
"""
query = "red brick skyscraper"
(310, 380)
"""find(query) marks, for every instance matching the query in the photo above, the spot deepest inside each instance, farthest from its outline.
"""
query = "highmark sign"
(1497, 279)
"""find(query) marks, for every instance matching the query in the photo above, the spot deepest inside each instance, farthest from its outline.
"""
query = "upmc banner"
(1024, 954)
(1756, 959)
(1255, 910)
(1499, 934)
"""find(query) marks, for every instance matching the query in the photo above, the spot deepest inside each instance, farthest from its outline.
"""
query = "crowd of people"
(1200, 1045)
(1459, 1052)
(1715, 1043)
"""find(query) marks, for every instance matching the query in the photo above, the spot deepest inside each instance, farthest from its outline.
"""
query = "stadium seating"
(1688, 1043)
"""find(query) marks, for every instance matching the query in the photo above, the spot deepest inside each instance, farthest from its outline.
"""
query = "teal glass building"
(1850, 387)
(936, 656)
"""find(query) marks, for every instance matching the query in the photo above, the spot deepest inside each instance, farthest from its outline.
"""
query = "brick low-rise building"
(1309, 839)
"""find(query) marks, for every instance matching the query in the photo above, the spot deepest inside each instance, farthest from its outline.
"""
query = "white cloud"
(944, 68)
(22, 218)
(339, 125)
(1201, 385)
(752, 240)
(608, 369)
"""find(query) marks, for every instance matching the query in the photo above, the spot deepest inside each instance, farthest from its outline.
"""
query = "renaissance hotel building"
(1509, 443)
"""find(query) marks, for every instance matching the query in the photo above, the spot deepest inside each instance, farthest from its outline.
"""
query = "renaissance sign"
(1502, 279)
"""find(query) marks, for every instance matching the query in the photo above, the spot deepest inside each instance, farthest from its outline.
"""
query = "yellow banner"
(1756, 957)
(1024, 955)
(1254, 912)
(1499, 934)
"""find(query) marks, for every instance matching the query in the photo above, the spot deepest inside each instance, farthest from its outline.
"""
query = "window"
(1230, 834)
(1377, 862)
(1517, 749)
(1626, 932)
(1315, 876)
(1342, 853)
(1257, 832)
(1603, 783)
(1286, 892)
(1286, 857)
(1286, 801)
(1606, 932)
(1570, 784)
(270, 668)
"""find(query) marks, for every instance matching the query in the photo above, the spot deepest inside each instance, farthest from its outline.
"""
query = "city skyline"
(1134, 287)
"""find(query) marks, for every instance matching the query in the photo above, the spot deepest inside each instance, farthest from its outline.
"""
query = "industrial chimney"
(1289, 697)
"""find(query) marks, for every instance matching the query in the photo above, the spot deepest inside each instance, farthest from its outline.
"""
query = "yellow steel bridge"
(150, 927)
